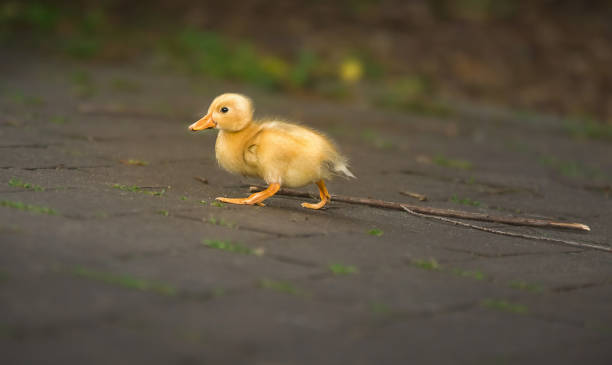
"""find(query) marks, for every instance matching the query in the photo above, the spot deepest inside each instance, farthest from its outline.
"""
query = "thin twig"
(512, 234)
(418, 196)
(516, 221)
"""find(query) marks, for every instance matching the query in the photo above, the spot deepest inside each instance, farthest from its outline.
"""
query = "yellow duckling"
(281, 153)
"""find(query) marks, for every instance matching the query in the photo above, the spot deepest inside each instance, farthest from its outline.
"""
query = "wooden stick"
(516, 221)
(513, 234)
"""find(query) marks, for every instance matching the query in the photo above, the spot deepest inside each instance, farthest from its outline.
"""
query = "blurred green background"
(422, 56)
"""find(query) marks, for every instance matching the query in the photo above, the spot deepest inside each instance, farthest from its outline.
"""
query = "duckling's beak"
(204, 123)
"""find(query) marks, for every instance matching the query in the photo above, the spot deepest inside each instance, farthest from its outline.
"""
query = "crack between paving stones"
(54, 167)
(495, 189)
(291, 260)
(574, 287)
(41, 191)
(22, 333)
(94, 218)
(251, 229)
(502, 283)
(396, 317)
(33, 145)
(509, 254)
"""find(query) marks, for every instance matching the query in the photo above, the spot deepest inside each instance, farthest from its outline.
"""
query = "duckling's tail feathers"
(342, 168)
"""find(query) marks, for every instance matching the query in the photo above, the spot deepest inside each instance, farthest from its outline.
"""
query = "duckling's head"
(228, 112)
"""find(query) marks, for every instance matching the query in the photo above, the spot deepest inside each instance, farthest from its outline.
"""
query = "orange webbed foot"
(241, 201)
(323, 193)
(256, 198)
(319, 205)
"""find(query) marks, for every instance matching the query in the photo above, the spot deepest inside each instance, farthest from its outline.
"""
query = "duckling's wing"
(250, 153)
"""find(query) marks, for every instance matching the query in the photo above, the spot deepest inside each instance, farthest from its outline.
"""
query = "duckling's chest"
(229, 151)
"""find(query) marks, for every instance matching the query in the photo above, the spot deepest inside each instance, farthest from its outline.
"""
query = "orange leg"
(256, 198)
(323, 193)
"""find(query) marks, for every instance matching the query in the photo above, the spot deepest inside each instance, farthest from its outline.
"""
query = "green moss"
(376, 232)
(137, 189)
(83, 84)
(440, 160)
(133, 188)
(221, 222)
(465, 201)
(339, 269)
(569, 168)
(184, 197)
(14, 182)
(217, 204)
(125, 281)
(502, 305)
(430, 264)
(280, 286)
(28, 207)
(218, 292)
(81, 77)
(134, 162)
(521, 285)
(375, 139)
(229, 246)
(58, 119)
(163, 212)
(379, 308)
(28, 100)
(589, 129)
(11, 229)
(433, 265)
(469, 274)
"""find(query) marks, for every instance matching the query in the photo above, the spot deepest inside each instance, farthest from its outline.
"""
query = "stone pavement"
(112, 253)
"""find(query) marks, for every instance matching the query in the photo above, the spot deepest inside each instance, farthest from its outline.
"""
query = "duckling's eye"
(224, 109)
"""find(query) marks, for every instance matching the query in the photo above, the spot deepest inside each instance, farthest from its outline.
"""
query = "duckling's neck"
(241, 135)
(230, 146)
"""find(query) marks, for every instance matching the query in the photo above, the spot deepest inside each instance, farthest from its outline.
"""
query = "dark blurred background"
(538, 56)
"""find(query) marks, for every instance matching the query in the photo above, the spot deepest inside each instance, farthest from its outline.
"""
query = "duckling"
(281, 153)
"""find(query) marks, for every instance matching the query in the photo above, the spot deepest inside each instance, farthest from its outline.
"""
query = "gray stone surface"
(125, 277)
